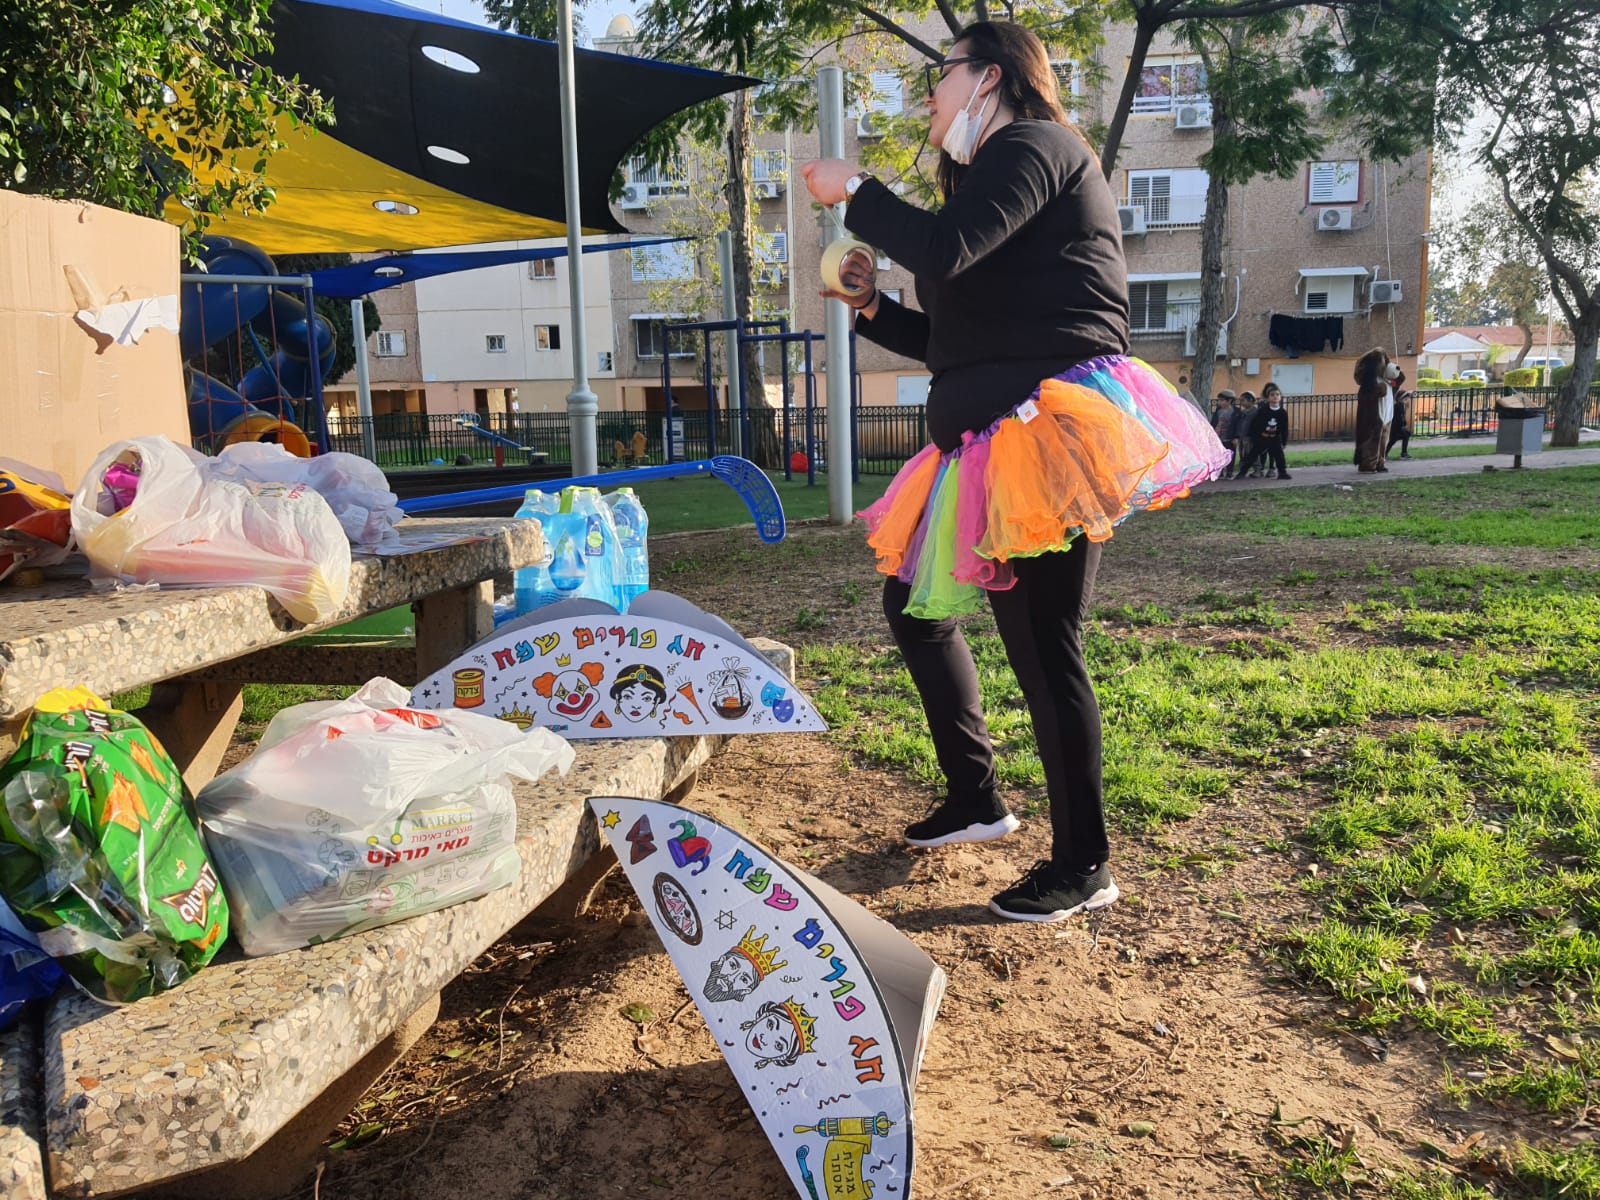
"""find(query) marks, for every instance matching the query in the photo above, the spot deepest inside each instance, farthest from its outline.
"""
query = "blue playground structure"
(241, 296)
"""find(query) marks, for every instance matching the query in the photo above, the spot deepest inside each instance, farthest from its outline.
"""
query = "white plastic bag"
(191, 527)
(356, 489)
(359, 812)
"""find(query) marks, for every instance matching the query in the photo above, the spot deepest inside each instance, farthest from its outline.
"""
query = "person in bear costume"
(1376, 378)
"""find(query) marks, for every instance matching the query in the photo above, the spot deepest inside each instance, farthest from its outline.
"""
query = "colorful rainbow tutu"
(1089, 448)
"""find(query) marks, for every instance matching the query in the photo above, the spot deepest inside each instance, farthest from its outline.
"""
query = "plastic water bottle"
(534, 586)
(632, 525)
(596, 541)
(567, 566)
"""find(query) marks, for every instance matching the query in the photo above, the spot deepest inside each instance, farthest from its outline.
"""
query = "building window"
(650, 332)
(1171, 198)
(884, 262)
(664, 263)
(391, 343)
(1331, 289)
(542, 268)
(893, 294)
(494, 343)
(547, 337)
(1334, 182)
(668, 179)
(603, 360)
(1163, 304)
(769, 166)
(1169, 80)
(887, 93)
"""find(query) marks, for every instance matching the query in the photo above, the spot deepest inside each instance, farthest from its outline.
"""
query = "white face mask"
(960, 143)
(1391, 372)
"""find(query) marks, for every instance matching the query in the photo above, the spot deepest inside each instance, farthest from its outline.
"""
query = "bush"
(1428, 373)
(1521, 377)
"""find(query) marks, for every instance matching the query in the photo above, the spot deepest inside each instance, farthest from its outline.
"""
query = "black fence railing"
(884, 436)
(1448, 412)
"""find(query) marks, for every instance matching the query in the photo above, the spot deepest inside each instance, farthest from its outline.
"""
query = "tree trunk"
(741, 131)
(1213, 282)
(1527, 344)
(1574, 395)
(1143, 35)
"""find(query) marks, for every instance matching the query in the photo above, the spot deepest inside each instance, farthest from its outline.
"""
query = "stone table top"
(65, 633)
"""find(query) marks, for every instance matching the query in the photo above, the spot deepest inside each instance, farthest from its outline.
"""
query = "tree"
(1260, 125)
(1498, 274)
(1531, 67)
(100, 101)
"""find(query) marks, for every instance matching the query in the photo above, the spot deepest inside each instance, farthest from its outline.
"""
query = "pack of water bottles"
(595, 547)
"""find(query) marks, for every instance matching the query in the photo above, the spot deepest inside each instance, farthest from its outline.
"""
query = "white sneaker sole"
(972, 833)
(1104, 898)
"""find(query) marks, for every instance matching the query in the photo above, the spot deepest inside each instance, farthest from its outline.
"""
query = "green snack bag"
(99, 852)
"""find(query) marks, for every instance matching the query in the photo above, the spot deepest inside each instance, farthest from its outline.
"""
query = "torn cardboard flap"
(88, 320)
(128, 321)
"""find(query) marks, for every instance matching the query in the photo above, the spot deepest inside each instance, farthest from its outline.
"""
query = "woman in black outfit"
(1021, 277)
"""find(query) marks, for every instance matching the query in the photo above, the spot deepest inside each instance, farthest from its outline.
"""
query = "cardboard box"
(68, 390)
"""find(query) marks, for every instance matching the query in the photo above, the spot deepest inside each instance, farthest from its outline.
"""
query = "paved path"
(1583, 456)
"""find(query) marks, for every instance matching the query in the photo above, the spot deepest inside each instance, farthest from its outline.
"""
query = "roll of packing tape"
(833, 259)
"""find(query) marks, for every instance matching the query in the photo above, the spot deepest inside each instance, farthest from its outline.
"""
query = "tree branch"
(904, 35)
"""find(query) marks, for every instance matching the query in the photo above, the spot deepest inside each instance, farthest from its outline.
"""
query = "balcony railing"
(1180, 317)
(1144, 105)
(1185, 210)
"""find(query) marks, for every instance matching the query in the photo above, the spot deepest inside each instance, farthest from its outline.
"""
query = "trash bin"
(1521, 428)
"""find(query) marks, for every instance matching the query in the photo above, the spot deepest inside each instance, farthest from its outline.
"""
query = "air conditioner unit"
(771, 274)
(1386, 291)
(867, 128)
(1132, 218)
(768, 190)
(1335, 218)
(1193, 116)
(1190, 342)
(634, 195)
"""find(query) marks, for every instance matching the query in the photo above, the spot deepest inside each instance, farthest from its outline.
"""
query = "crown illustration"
(643, 673)
(804, 1025)
(564, 660)
(755, 949)
(519, 718)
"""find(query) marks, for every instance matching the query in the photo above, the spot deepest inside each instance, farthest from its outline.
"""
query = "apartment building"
(1319, 268)
(394, 362)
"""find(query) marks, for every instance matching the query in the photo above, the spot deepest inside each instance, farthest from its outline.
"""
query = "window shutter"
(1316, 301)
(886, 92)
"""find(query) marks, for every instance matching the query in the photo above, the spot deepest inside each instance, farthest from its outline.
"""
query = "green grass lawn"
(1419, 449)
(1546, 510)
(700, 502)
(1431, 743)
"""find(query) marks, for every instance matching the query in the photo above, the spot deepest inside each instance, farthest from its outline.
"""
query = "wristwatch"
(854, 182)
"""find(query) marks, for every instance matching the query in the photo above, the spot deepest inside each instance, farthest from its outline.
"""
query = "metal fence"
(1449, 412)
(884, 436)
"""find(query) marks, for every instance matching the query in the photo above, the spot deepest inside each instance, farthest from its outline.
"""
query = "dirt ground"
(1055, 1044)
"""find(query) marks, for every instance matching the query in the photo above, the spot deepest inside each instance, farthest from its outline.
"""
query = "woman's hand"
(859, 273)
(825, 178)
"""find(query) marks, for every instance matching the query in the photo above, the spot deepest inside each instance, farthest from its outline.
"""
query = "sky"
(595, 16)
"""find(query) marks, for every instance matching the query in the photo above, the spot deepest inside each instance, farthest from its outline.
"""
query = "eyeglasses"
(936, 71)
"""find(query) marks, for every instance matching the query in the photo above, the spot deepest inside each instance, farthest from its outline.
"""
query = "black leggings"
(1040, 621)
(1272, 449)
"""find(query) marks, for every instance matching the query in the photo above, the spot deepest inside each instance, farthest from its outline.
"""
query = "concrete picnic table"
(227, 1085)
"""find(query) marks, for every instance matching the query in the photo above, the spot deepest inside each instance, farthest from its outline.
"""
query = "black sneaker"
(962, 821)
(1284, 475)
(1053, 893)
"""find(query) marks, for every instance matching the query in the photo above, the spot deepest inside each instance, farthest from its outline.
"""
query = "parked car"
(1538, 364)
(1475, 376)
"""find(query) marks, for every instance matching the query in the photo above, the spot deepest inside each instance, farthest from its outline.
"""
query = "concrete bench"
(228, 1085)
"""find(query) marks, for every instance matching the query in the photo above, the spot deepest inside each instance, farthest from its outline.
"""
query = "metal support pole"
(319, 414)
(358, 325)
(582, 404)
(830, 124)
(730, 312)
(711, 397)
(783, 397)
(811, 413)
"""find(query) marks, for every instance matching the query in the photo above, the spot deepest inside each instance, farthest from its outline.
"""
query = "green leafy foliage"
(138, 105)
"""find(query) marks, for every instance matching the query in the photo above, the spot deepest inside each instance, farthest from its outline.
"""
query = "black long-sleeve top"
(1020, 275)
(1270, 424)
